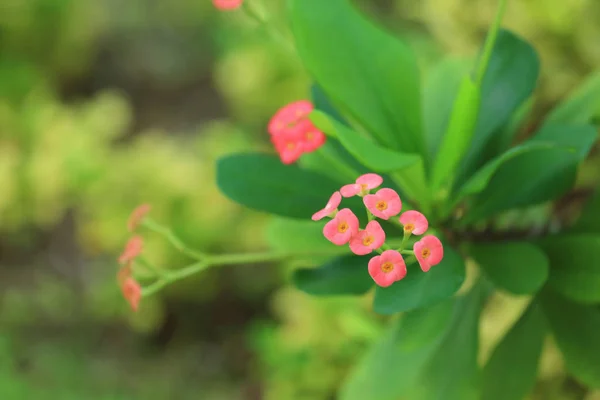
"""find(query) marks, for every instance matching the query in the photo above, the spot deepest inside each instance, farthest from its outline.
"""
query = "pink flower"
(225, 5)
(384, 204)
(342, 227)
(367, 240)
(310, 137)
(362, 185)
(137, 216)
(330, 207)
(414, 222)
(289, 116)
(293, 133)
(133, 248)
(429, 252)
(387, 268)
(132, 292)
(289, 146)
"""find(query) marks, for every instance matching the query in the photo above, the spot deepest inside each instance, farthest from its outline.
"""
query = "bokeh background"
(107, 104)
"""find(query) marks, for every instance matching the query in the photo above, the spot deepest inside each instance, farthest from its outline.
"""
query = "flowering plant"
(458, 159)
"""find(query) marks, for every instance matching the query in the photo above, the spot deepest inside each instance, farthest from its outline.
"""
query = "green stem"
(407, 252)
(489, 43)
(172, 238)
(229, 259)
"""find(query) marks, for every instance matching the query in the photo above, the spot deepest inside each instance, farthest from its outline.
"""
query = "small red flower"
(226, 5)
(342, 227)
(384, 204)
(293, 133)
(362, 185)
(133, 248)
(132, 291)
(330, 207)
(367, 240)
(429, 252)
(137, 216)
(387, 268)
(414, 222)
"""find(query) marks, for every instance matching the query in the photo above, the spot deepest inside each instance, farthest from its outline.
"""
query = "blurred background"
(107, 104)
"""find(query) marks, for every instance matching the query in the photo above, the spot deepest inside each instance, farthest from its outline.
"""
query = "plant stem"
(229, 259)
(173, 239)
(489, 43)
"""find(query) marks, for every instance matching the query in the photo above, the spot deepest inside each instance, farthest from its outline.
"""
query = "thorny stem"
(489, 43)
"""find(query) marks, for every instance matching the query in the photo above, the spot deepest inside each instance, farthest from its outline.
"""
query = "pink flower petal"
(350, 190)
(387, 268)
(137, 216)
(367, 240)
(414, 222)
(289, 146)
(429, 252)
(225, 5)
(132, 292)
(370, 181)
(288, 116)
(340, 229)
(332, 204)
(384, 204)
(311, 137)
(133, 248)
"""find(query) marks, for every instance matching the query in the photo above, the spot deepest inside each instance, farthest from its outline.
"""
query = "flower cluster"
(132, 291)
(292, 132)
(226, 5)
(389, 266)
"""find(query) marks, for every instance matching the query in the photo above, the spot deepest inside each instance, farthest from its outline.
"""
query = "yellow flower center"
(425, 252)
(343, 227)
(408, 228)
(387, 267)
(363, 186)
(368, 240)
(310, 135)
(291, 145)
(381, 205)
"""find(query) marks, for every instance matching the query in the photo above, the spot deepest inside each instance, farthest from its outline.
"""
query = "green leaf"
(262, 182)
(534, 177)
(369, 153)
(346, 275)
(459, 134)
(285, 234)
(589, 220)
(331, 159)
(407, 170)
(510, 79)
(393, 364)
(452, 372)
(440, 90)
(583, 106)
(421, 289)
(575, 328)
(520, 268)
(574, 266)
(511, 371)
(480, 180)
(370, 74)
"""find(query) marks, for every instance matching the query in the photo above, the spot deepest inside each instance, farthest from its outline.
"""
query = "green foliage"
(511, 371)
(575, 328)
(509, 80)
(421, 289)
(262, 182)
(582, 106)
(392, 365)
(345, 275)
(384, 100)
(574, 266)
(519, 268)
(535, 177)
